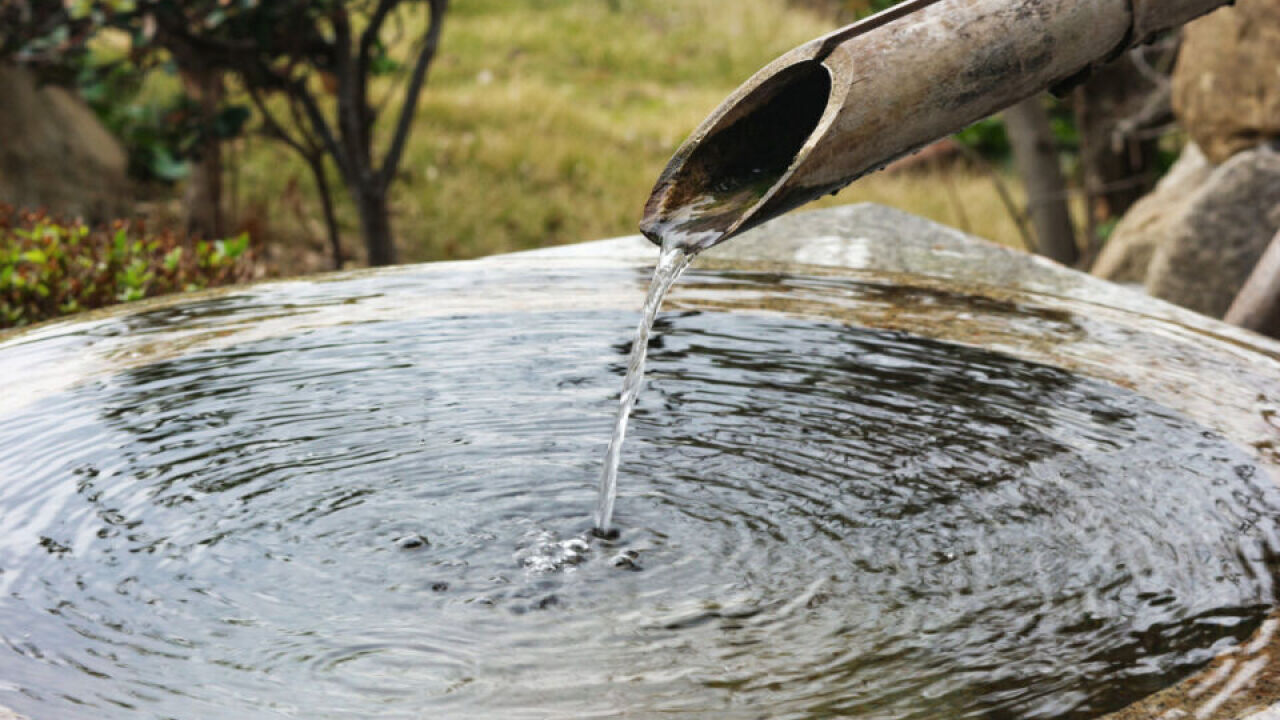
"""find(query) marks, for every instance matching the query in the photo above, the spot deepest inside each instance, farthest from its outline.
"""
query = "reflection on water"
(389, 519)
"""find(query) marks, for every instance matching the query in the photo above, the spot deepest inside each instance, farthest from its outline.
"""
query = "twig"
(1019, 219)
(950, 183)
(405, 122)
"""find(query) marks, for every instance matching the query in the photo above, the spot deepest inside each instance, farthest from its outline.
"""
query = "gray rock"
(1128, 252)
(1219, 234)
(1226, 87)
(54, 153)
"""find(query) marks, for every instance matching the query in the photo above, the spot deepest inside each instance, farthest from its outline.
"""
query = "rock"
(1226, 87)
(1128, 252)
(1218, 234)
(55, 154)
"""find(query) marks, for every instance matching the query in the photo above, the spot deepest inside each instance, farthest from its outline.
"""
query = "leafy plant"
(988, 137)
(50, 268)
(161, 136)
(290, 56)
(301, 51)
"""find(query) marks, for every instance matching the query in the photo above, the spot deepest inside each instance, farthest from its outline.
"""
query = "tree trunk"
(375, 225)
(1115, 174)
(316, 163)
(203, 196)
(1035, 156)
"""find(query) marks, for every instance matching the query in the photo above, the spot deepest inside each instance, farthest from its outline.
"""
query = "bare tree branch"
(316, 163)
(313, 155)
(350, 120)
(273, 126)
(404, 123)
(323, 131)
(298, 115)
(1006, 197)
(370, 35)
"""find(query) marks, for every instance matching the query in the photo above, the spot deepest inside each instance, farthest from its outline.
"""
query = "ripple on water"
(391, 518)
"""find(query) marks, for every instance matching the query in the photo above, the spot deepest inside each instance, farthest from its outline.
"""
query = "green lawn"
(547, 121)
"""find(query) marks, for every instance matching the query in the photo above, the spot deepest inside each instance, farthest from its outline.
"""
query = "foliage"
(306, 51)
(161, 135)
(988, 137)
(50, 267)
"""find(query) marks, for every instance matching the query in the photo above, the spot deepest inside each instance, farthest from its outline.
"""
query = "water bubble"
(626, 560)
(412, 541)
(545, 552)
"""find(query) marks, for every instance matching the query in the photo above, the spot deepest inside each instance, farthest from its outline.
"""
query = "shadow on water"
(816, 521)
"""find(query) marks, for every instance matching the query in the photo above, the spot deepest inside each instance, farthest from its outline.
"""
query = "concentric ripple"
(390, 520)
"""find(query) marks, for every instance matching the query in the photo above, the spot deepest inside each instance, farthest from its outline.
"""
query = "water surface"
(389, 519)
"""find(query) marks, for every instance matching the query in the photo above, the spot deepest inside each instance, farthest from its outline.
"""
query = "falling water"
(687, 231)
(673, 261)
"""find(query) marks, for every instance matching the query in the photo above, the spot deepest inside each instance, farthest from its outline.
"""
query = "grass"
(547, 121)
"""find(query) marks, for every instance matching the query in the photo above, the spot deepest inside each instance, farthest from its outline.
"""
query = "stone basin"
(908, 275)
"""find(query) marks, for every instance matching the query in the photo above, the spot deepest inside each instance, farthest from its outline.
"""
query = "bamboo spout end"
(738, 158)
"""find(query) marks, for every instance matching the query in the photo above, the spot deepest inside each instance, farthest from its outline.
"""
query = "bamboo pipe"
(826, 113)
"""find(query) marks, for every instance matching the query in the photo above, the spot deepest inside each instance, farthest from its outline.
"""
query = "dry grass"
(961, 198)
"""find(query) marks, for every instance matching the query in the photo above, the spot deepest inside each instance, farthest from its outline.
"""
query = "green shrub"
(50, 268)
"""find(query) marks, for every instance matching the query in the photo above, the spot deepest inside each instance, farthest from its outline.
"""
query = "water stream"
(671, 263)
(690, 229)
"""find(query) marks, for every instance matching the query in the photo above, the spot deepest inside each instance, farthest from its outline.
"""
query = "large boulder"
(1215, 237)
(55, 154)
(1151, 220)
(1226, 87)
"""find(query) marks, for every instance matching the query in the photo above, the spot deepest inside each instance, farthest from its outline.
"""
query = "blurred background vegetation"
(540, 122)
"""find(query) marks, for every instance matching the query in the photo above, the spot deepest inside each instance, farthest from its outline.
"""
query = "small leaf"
(231, 121)
(163, 164)
(172, 259)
